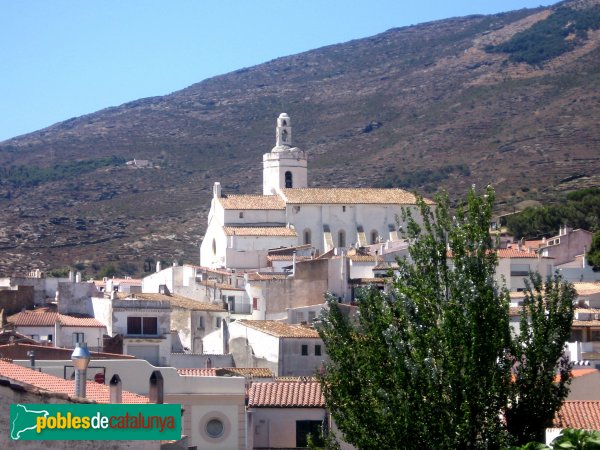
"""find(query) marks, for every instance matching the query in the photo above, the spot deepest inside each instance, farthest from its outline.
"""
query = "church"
(243, 229)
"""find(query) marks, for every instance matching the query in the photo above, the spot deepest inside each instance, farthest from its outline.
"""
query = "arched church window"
(285, 123)
(214, 246)
(284, 136)
(288, 180)
(374, 237)
(341, 238)
(307, 236)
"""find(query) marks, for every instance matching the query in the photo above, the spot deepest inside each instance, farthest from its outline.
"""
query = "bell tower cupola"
(285, 167)
(283, 132)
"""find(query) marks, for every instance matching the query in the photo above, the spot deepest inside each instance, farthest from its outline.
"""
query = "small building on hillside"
(285, 349)
(61, 330)
(144, 321)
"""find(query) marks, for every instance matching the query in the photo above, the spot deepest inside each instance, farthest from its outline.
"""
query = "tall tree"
(428, 363)
(541, 371)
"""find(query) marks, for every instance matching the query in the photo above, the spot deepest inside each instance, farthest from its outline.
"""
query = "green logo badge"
(95, 422)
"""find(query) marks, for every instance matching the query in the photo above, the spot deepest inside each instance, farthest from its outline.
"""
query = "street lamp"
(81, 359)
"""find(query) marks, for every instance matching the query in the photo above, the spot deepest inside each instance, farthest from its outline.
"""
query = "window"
(214, 246)
(149, 325)
(317, 350)
(214, 428)
(341, 238)
(241, 214)
(307, 238)
(312, 315)
(299, 316)
(255, 304)
(374, 237)
(201, 322)
(344, 208)
(595, 335)
(519, 270)
(304, 350)
(576, 335)
(288, 179)
(78, 338)
(306, 427)
(218, 322)
(231, 303)
(142, 325)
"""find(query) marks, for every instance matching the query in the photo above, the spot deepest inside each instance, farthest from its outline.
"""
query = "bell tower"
(285, 167)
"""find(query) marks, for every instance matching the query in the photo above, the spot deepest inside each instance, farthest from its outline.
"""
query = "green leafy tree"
(593, 255)
(541, 372)
(428, 363)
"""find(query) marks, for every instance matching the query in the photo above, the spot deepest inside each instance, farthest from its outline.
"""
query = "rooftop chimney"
(156, 393)
(116, 389)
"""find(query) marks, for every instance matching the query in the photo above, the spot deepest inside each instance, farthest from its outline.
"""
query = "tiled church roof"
(349, 196)
(245, 202)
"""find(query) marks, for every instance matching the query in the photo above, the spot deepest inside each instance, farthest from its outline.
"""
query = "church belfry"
(283, 132)
(285, 166)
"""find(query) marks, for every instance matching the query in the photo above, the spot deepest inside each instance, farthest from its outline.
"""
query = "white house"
(144, 321)
(286, 349)
(61, 330)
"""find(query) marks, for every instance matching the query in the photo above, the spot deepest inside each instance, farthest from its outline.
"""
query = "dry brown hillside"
(436, 105)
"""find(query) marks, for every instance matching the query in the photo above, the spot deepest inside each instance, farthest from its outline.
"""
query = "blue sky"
(61, 59)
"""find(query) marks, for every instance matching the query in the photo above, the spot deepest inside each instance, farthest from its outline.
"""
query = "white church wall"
(254, 216)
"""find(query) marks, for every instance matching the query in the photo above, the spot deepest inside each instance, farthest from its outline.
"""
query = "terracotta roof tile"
(260, 231)
(363, 258)
(267, 276)
(367, 280)
(252, 202)
(43, 381)
(580, 414)
(37, 318)
(349, 196)
(287, 258)
(587, 288)
(286, 394)
(193, 305)
(586, 323)
(259, 372)
(281, 329)
(197, 372)
(514, 253)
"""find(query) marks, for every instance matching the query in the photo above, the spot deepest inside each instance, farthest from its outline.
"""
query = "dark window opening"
(288, 180)
(307, 237)
(142, 325)
(317, 350)
(341, 238)
(304, 350)
(306, 427)
(134, 325)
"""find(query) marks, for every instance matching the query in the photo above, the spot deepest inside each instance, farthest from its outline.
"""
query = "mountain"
(509, 99)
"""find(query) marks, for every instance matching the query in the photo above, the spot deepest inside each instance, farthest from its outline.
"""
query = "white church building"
(243, 228)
